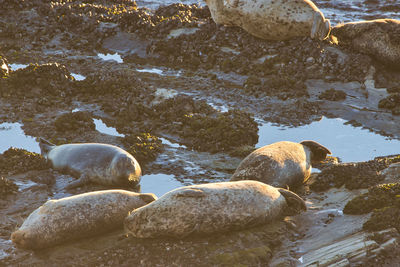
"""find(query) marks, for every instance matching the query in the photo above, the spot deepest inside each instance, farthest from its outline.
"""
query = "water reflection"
(103, 128)
(12, 135)
(345, 141)
(159, 184)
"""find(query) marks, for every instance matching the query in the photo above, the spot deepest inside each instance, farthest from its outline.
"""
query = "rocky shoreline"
(207, 86)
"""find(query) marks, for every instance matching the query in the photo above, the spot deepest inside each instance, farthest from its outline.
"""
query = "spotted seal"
(272, 19)
(75, 217)
(212, 208)
(93, 162)
(378, 38)
(282, 163)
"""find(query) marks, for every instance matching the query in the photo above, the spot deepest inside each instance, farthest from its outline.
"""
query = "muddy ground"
(187, 80)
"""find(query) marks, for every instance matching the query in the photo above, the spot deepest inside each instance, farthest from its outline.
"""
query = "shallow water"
(159, 184)
(350, 144)
(103, 128)
(17, 66)
(12, 135)
(78, 77)
(115, 57)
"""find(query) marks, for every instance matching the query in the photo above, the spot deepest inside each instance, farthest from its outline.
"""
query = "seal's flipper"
(191, 192)
(318, 151)
(45, 146)
(84, 179)
(315, 25)
(295, 203)
(148, 197)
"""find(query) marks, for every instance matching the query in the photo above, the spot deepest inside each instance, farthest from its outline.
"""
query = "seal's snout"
(19, 238)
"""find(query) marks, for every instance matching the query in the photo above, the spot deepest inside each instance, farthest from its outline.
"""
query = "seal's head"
(126, 169)
(295, 204)
(22, 239)
(318, 151)
(45, 146)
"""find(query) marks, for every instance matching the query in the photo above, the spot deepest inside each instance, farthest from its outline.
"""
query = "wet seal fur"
(378, 38)
(93, 162)
(272, 19)
(212, 208)
(75, 217)
(281, 164)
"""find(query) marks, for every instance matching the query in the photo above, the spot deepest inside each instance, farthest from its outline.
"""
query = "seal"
(281, 164)
(75, 217)
(378, 38)
(212, 208)
(272, 19)
(93, 162)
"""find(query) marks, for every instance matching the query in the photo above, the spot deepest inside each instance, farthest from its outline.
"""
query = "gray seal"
(93, 162)
(281, 164)
(212, 208)
(378, 38)
(272, 19)
(76, 217)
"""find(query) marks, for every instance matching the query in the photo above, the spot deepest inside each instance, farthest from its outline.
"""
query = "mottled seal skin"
(272, 19)
(71, 218)
(212, 208)
(93, 162)
(281, 164)
(378, 38)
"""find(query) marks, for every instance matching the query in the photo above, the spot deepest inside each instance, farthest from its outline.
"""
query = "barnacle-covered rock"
(353, 175)
(7, 187)
(74, 121)
(144, 146)
(17, 160)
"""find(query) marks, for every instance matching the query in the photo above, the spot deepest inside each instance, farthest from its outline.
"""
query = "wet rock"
(17, 160)
(203, 128)
(384, 201)
(50, 80)
(377, 197)
(392, 102)
(353, 175)
(7, 187)
(144, 146)
(74, 121)
(333, 95)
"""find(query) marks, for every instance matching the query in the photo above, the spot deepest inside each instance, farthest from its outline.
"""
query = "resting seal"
(281, 164)
(70, 218)
(378, 38)
(211, 208)
(272, 19)
(93, 162)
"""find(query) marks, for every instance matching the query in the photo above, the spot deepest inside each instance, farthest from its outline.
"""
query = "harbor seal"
(93, 162)
(272, 19)
(282, 163)
(71, 218)
(212, 208)
(378, 38)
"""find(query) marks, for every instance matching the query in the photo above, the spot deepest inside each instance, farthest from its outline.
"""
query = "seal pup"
(281, 164)
(378, 38)
(71, 218)
(212, 208)
(93, 162)
(272, 19)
